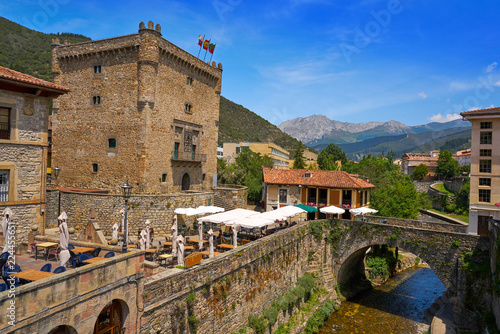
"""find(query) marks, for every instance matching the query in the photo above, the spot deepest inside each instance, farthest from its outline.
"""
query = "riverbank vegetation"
(380, 262)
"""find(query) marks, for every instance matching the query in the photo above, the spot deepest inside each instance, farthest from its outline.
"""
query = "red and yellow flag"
(205, 44)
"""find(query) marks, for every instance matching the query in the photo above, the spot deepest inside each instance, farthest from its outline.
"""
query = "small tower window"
(95, 168)
(164, 177)
(188, 108)
(111, 142)
(97, 99)
(189, 81)
(97, 69)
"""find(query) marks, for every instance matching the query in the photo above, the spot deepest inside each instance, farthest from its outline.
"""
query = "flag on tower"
(200, 40)
(205, 44)
(211, 47)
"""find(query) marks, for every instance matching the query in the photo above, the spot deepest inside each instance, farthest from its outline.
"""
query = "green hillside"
(237, 123)
(29, 51)
(455, 142)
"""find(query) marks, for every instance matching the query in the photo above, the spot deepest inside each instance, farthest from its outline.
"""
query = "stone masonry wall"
(423, 186)
(159, 209)
(447, 227)
(230, 196)
(454, 185)
(230, 286)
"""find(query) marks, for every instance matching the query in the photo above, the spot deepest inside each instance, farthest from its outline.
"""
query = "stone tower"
(140, 109)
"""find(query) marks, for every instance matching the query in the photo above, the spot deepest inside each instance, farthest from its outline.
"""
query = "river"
(397, 306)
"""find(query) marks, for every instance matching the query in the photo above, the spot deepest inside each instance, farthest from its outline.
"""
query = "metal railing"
(189, 156)
(4, 131)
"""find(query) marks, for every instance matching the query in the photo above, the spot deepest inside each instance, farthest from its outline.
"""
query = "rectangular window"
(95, 168)
(484, 181)
(4, 185)
(484, 195)
(164, 178)
(193, 147)
(111, 142)
(97, 69)
(484, 166)
(176, 151)
(4, 123)
(188, 108)
(485, 138)
(97, 99)
(189, 81)
(283, 194)
(485, 153)
(486, 125)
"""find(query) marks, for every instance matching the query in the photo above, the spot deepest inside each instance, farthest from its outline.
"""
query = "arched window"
(110, 320)
(186, 182)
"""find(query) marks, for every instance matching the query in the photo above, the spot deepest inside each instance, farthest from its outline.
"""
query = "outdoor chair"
(47, 268)
(70, 246)
(5, 255)
(95, 252)
(3, 287)
(12, 270)
(55, 253)
(35, 250)
(82, 258)
(8, 281)
(109, 254)
(59, 270)
(73, 259)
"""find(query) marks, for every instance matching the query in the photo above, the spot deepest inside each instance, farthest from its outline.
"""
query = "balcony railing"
(4, 131)
(189, 156)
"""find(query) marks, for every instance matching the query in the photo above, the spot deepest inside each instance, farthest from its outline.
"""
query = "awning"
(307, 208)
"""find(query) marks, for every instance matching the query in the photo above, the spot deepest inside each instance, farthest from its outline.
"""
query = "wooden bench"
(192, 259)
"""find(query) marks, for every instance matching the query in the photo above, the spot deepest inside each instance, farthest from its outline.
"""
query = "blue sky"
(413, 61)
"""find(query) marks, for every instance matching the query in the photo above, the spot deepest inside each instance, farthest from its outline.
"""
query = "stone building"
(410, 161)
(484, 169)
(24, 110)
(316, 188)
(140, 109)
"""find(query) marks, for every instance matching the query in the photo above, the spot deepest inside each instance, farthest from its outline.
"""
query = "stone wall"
(23, 217)
(447, 227)
(76, 297)
(454, 185)
(423, 186)
(230, 286)
(230, 196)
(438, 198)
(159, 209)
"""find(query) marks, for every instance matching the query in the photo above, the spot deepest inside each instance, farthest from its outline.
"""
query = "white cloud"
(456, 85)
(443, 119)
(497, 83)
(491, 67)
(422, 95)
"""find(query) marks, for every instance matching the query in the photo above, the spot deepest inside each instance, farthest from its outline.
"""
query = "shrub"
(258, 324)
(307, 282)
(271, 314)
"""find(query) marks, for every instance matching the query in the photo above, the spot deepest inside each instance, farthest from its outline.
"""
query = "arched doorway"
(63, 329)
(186, 181)
(110, 320)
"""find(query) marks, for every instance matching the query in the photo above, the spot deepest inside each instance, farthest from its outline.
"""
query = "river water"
(397, 306)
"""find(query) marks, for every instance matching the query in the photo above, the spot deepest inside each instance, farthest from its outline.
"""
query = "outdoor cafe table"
(168, 243)
(82, 250)
(196, 240)
(32, 275)
(151, 251)
(207, 253)
(226, 246)
(47, 246)
(94, 259)
(131, 246)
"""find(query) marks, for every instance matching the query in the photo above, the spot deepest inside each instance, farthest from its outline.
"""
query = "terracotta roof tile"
(494, 111)
(7, 73)
(318, 178)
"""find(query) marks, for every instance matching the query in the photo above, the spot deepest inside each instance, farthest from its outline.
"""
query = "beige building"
(485, 168)
(140, 109)
(279, 156)
(411, 160)
(316, 188)
(24, 113)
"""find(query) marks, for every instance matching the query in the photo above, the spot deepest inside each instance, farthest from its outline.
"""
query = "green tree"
(299, 162)
(420, 172)
(329, 154)
(447, 166)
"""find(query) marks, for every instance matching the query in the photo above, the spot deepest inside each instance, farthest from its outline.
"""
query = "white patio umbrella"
(252, 221)
(142, 239)
(148, 234)
(334, 210)
(174, 236)
(64, 254)
(211, 243)
(235, 236)
(362, 211)
(283, 212)
(180, 250)
(115, 231)
(209, 209)
(200, 235)
(7, 216)
(221, 218)
(187, 211)
(122, 212)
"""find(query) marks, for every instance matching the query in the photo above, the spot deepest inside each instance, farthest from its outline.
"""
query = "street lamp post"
(56, 171)
(126, 188)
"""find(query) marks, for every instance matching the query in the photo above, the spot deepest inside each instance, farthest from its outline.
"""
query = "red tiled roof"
(318, 178)
(419, 157)
(486, 111)
(7, 73)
